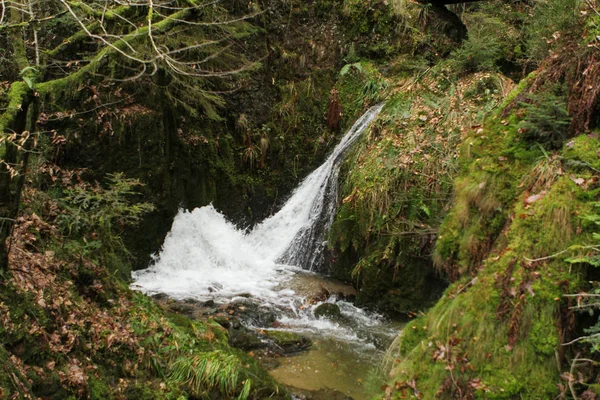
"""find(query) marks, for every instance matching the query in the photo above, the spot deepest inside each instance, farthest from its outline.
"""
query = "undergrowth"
(71, 328)
(398, 184)
(496, 332)
(517, 243)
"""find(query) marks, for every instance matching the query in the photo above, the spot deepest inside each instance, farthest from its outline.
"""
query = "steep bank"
(502, 207)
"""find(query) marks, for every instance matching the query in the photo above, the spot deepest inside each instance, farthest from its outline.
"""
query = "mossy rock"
(245, 339)
(289, 342)
(328, 310)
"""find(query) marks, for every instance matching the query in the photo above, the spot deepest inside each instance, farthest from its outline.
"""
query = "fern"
(546, 120)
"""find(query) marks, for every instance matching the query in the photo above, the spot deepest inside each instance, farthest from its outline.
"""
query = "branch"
(118, 49)
(17, 94)
(5, 27)
(110, 49)
(116, 13)
(589, 3)
(579, 339)
(571, 388)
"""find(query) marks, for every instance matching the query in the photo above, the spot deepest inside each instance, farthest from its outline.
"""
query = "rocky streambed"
(321, 346)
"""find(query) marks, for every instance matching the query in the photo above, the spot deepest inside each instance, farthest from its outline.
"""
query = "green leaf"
(348, 67)
(29, 81)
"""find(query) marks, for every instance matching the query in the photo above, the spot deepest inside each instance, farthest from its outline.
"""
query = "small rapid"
(206, 258)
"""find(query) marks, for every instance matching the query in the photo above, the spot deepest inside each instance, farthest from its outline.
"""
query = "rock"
(287, 342)
(209, 303)
(245, 339)
(254, 314)
(181, 308)
(160, 296)
(328, 310)
(223, 321)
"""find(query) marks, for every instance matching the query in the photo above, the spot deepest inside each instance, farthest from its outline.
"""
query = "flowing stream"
(205, 257)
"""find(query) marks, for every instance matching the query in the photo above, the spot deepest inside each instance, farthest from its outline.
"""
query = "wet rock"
(274, 342)
(328, 310)
(181, 308)
(245, 339)
(253, 314)
(209, 303)
(349, 297)
(287, 342)
(192, 301)
(223, 321)
(160, 296)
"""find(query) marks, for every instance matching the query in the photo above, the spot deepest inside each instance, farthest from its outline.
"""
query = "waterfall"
(205, 256)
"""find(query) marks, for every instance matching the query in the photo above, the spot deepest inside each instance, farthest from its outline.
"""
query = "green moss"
(514, 209)
(396, 190)
(288, 340)
(98, 389)
(17, 96)
(543, 333)
(583, 152)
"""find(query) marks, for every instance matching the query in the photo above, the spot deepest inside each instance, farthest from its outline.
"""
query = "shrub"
(490, 43)
(93, 217)
(546, 119)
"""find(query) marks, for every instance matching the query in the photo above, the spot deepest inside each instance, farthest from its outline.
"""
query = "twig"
(571, 379)
(547, 257)
(579, 339)
(592, 7)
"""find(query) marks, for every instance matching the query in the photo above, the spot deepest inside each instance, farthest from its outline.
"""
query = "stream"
(274, 266)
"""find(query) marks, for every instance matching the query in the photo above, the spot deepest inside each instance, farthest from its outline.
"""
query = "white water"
(206, 257)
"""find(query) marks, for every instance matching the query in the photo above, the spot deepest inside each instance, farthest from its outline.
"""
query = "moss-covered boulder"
(328, 310)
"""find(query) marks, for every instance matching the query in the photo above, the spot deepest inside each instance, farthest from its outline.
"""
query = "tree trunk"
(12, 175)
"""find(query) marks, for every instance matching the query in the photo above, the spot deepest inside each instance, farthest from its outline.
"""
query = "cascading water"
(294, 235)
(205, 256)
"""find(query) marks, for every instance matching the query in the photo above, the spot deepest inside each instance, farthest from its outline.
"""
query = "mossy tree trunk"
(13, 172)
(16, 124)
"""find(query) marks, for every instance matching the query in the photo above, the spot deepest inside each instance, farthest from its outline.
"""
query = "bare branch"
(579, 339)
(106, 42)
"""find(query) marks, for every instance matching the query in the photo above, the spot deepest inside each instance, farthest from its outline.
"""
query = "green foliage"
(396, 189)
(552, 21)
(589, 254)
(485, 49)
(348, 67)
(215, 370)
(374, 28)
(367, 16)
(517, 211)
(360, 84)
(546, 119)
(94, 218)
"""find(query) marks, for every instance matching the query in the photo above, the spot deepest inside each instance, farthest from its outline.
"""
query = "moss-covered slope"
(398, 186)
(516, 245)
